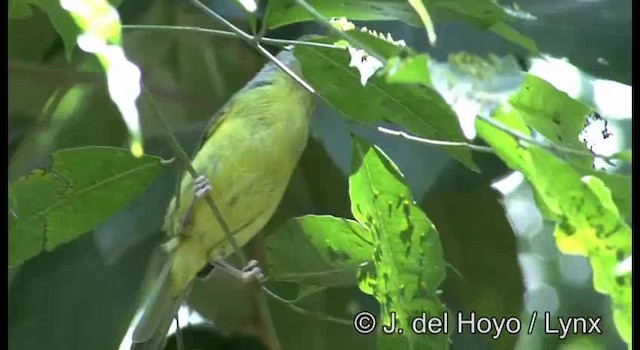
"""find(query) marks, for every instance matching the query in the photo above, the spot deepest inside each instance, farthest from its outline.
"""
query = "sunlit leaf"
(408, 264)
(552, 113)
(410, 70)
(421, 10)
(101, 34)
(588, 222)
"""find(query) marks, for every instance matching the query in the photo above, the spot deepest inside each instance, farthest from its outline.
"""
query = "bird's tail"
(158, 311)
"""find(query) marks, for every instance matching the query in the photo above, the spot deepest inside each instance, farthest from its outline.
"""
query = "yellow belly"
(248, 164)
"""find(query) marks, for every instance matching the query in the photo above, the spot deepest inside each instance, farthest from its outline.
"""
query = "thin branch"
(179, 338)
(184, 159)
(549, 146)
(289, 276)
(226, 34)
(255, 44)
(435, 142)
(306, 312)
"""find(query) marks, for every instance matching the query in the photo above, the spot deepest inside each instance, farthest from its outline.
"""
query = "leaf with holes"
(552, 113)
(419, 109)
(408, 263)
(481, 14)
(83, 187)
(588, 220)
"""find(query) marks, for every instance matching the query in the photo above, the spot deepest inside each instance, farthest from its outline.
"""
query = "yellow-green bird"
(247, 156)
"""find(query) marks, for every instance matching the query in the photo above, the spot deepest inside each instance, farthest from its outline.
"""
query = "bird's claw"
(252, 273)
(201, 186)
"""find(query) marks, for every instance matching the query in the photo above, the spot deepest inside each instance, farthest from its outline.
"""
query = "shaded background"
(82, 295)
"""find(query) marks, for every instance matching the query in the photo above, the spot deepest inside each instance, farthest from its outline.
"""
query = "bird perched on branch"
(245, 160)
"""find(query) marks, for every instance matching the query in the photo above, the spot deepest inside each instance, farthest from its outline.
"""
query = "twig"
(255, 44)
(306, 312)
(179, 338)
(435, 142)
(184, 159)
(288, 276)
(226, 34)
(549, 146)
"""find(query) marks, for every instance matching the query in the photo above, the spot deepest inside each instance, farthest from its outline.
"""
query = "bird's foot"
(201, 186)
(250, 273)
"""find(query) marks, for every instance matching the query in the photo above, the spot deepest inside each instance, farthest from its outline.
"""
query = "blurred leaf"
(19, 9)
(482, 248)
(611, 99)
(624, 156)
(328, 187)
(62, 22)
(510, 34)
(83, 187)
(418, 109)
(552, 113)
(589, 222)
(318, 250)
(308, 290)
(101, 35)
(408, 263)
(207, 337)
(69, 299)
(421, 10)
(283, 12)
(474, 86)
(410, 70)
(482, 14)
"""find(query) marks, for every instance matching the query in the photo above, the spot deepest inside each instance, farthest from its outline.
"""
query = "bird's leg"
(201, 187)
(250, 273)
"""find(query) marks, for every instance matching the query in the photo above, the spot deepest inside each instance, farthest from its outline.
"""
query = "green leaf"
(409, 70)
(83, 187)
(624, 156)
(419, 109)
(620, 187)
(318, 250)
(61, 21)
(483, 249)
(19, 9)
(283, 12)
(552, 113)
(589, 222)
(408, 264)
(421, 10)
(52, 289)
(482, 14)
(100, 25)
